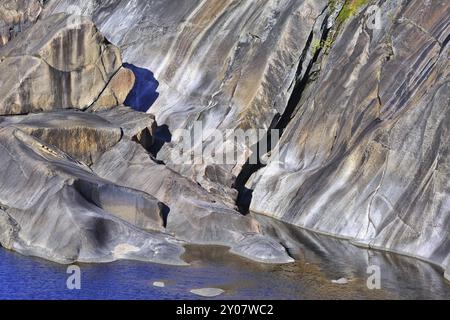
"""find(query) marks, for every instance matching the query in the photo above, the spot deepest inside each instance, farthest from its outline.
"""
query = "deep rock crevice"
(282, 121)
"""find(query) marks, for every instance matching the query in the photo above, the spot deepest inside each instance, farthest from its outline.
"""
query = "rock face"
(367, 155)
(136, 126)
(61, 62)
(17, 15)
(227, 64)
(83, 136)
(65, 213)
(106, 137)
(359, 90)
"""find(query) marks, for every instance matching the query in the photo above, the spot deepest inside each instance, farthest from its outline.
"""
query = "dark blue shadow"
(144, 94)
(162, 136)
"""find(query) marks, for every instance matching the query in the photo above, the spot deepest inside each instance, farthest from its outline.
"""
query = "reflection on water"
(319, 260)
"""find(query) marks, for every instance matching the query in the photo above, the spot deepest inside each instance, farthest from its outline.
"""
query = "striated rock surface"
(194, 215)
(363, 108)
(366, 156)
(17, 15)
(83, 136)
(65, 213)
(227, 64)
(61, 62)
(189, 212)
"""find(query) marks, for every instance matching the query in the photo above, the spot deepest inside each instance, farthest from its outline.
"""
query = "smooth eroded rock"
(136, 126)
(159, 284)
(208, 292)
(61, 62)
(226, 64)
(83, 136)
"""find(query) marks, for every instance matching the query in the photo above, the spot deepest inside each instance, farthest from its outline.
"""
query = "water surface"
(319, 260)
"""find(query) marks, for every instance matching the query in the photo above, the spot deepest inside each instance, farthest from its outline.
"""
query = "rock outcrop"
(195, 215)
(144, 193)
(136, 126)
(84, 136)
(227, 64)
(366, 156)
(359, 91)
(55, 208)
(61, 62)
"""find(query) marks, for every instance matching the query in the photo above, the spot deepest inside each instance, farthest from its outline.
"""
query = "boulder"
(116, 91)
(136, 126)
(159, 284)
(207, 292)
(61, 62)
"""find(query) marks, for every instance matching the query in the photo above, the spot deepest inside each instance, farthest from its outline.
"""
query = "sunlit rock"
(83, 136)
(194, 215)
(229, 65)
(61, 62)
(366, 156)
(16, 16)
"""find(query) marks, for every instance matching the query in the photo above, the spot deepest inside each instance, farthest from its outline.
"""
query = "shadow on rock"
(144, 93)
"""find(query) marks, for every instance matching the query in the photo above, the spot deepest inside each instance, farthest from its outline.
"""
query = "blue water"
(144, 92)
(319, 260)
(32, 278)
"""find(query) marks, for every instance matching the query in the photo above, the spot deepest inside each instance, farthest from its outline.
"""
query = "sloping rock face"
(16, 16)
(367, 155)
(65, 213)
(227, 64)
(61, 62)
(364, 111)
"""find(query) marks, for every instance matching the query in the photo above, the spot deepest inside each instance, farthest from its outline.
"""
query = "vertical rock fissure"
(301, 83)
